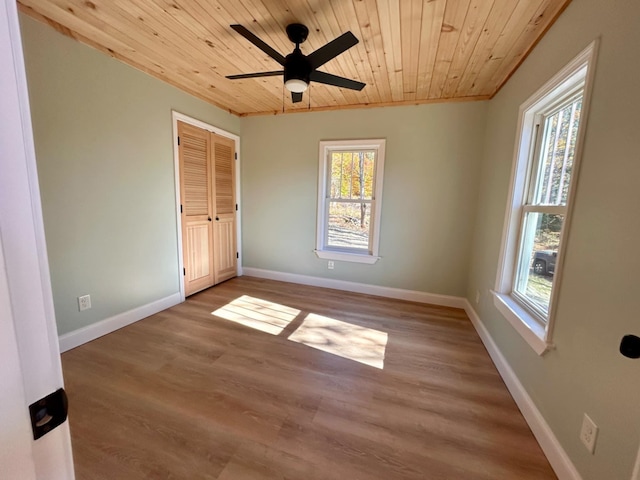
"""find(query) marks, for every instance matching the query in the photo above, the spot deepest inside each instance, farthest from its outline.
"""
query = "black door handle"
(217, 219)
(48, 412)
(630, 346)
(209, 219)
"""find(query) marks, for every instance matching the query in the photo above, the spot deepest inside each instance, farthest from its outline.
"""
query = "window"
(349, 200)
(545, 168)
(545, 206)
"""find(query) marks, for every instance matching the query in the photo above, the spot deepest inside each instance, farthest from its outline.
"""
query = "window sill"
(525, 324)
(346, 257)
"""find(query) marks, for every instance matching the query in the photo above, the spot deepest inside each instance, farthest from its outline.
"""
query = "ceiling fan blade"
(332, 49)
(328, 79)
(259, 43)
(255, 75)
(296, 97)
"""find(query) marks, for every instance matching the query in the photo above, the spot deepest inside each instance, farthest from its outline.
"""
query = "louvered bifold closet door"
(224, 244)
(197, 209)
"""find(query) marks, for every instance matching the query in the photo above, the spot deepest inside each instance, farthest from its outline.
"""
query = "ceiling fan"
(300, 69)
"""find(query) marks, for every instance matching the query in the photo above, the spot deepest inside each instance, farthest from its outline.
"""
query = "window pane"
(557, 153)
(537, 261)
(336, 174)
(352, 175)
(349, 225)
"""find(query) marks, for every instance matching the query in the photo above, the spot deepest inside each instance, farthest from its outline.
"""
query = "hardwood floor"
(185, 394)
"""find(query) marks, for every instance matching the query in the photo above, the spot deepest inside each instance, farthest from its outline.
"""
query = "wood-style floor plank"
(188, 394)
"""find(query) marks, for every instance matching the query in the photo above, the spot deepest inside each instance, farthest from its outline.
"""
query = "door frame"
(175, 117)
(28, 282)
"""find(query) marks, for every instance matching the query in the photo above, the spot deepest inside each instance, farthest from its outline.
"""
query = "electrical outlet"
(589, 433)
(84, 302)
(477, 296)
(330, 265)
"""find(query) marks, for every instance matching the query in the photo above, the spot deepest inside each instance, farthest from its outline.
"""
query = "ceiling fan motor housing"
(297, 66)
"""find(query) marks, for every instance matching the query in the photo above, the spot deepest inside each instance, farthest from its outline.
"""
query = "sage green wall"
(103, 137)
(430, 187)
(599, 300)
(103, 142)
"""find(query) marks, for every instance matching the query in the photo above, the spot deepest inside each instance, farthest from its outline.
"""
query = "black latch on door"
(630, 346)
(48, 412)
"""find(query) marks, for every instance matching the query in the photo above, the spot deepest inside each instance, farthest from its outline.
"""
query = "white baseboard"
(410, 295)
(558, 458)
(91, 332)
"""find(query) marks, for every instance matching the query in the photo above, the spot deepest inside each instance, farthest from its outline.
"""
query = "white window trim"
(537, 334)
(326, 146)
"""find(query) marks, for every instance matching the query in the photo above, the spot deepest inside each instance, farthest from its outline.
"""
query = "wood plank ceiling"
(410, 51)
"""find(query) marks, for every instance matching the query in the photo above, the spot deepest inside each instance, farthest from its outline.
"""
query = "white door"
(16, 455)
(29, 354)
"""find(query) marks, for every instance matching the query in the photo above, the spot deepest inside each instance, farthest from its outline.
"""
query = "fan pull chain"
(283, 98)
(309, 97)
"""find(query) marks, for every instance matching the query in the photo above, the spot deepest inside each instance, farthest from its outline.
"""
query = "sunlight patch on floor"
(353, 342)
(259, 314)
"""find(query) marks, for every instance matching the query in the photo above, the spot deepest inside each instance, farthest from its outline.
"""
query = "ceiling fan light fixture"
(296, 85)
